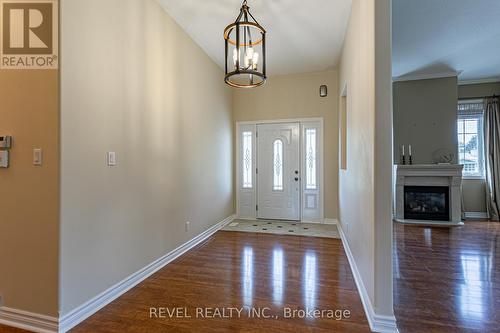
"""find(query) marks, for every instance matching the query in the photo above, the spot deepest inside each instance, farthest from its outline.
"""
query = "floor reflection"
(428, 236)
(310, 279)
(247, 276)
(476, 270)
(446, 279)
(278, 276)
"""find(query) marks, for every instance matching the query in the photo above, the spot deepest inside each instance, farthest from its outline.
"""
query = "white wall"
(365, 187)
(133, 82)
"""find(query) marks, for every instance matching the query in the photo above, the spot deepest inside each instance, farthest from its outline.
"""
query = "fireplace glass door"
(427, 203)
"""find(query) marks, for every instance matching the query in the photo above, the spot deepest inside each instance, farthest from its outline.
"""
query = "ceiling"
(439, 36)
(303, 36)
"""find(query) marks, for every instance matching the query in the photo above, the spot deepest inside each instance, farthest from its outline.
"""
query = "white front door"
(278, 170)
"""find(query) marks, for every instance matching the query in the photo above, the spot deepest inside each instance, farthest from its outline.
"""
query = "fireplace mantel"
(449, 175)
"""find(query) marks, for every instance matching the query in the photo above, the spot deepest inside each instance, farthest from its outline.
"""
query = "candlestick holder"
(403, 160)
(410, 160)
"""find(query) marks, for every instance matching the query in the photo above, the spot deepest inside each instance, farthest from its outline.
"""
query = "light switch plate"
(37, 156)
(5, 141)
(111, 158)
(4, 159)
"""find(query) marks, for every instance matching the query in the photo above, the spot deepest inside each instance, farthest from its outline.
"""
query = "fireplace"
(428, 194)
(427, 203)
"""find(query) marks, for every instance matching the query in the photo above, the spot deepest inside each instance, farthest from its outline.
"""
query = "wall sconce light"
(323, 91)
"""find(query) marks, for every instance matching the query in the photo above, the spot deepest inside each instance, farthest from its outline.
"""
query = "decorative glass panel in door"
(247, 160)
(278, 165)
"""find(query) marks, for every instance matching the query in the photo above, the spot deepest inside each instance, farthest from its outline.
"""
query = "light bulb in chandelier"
(235, 57)
(250, 53)
(255, 60)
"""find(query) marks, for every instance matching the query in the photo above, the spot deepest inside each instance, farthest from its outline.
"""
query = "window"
(278, 165)
(247, 159)
(470, 137)
(311, 159)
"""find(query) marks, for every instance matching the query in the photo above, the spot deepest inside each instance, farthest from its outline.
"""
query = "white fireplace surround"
(449, 175)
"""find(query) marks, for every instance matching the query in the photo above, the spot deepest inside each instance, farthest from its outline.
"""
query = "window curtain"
(492, 156)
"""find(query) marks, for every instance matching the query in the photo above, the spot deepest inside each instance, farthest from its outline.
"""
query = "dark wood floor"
(7, 329)
(447, 280)
(234, 269)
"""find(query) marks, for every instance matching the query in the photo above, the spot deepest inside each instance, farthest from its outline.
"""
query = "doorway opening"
(279, 170)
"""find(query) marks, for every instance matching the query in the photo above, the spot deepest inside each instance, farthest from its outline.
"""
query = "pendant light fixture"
(245, 57)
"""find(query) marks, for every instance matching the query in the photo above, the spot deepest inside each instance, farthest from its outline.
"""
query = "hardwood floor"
(447, 280)
(7, 329)
(234, 269)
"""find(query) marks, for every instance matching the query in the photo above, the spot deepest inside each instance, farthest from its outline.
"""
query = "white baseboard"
(246, 218)
(331, 221)
(476, 216)
(87, 309)
(28, 321)
(323, 221)
(378, 323)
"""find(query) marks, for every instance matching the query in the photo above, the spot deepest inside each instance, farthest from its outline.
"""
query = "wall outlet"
(5, 142)
(188, 225)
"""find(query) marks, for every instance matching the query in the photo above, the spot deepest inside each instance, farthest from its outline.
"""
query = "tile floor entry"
(284, 228)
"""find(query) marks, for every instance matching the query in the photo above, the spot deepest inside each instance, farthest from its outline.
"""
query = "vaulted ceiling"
(432, 36)
(303, 36)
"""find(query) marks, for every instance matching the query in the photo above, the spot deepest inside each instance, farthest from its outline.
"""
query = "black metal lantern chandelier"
(245, 41)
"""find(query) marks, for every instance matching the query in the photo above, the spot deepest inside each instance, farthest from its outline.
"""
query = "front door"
(278, 171)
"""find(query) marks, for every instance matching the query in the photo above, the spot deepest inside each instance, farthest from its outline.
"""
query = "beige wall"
(425, 115)
(474, 195)
(297, 96)
(383, 303)
(29, 204)
(356, 183)
(365, 187)
(474, 190)
(478, 90)
(134, 83)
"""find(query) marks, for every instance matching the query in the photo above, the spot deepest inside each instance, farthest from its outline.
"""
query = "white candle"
(403, 150)
(409, 149)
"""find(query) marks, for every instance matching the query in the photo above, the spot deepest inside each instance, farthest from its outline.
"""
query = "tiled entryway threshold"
(285, 228)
